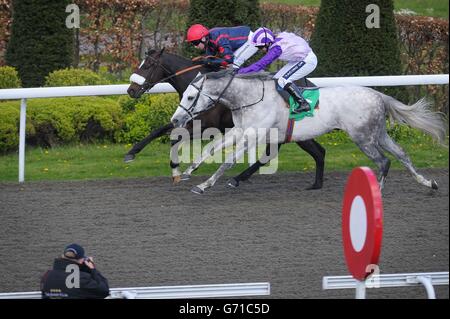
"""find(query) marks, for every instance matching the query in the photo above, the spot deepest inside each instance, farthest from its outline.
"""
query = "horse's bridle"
(210, 105)
(213, 103)
(147, 83)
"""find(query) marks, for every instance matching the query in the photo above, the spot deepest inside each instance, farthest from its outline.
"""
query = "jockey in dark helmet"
(229, 46)
(287, 47)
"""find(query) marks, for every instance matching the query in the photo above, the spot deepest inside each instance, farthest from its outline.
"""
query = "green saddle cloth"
(312, 97)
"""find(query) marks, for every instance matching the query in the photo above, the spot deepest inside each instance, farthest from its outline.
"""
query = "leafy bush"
(150, 112)
(9, 123)
(128, 104)
(120, 77)
(74, 77)
(58, 121)
(9, 78)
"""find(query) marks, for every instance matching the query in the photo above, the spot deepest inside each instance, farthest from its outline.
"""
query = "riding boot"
(296, 93)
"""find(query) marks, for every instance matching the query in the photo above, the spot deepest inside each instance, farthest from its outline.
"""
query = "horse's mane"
(265, 76)
(170, 55)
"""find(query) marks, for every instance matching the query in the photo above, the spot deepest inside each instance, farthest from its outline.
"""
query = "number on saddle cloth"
(310, 94)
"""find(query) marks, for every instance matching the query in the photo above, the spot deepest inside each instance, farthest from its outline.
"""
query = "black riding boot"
(296, 93)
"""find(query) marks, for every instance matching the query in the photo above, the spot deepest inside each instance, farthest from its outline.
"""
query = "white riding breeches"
(296, 70)
(245, 52)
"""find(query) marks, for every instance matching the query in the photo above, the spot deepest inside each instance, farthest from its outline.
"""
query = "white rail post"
(360, 289)
(23, 122)
(426, 281)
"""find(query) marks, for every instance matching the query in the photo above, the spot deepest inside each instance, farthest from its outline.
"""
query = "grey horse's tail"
(418, 116)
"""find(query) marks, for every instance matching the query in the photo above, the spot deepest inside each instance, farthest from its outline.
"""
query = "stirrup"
(303, 107)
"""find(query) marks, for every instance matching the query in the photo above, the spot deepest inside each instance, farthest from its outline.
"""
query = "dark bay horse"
(160, 66)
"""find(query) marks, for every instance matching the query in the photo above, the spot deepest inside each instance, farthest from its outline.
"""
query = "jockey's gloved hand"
(233, 70)
(213, 64)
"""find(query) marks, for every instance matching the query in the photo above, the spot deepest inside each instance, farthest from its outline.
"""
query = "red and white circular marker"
(362, 222)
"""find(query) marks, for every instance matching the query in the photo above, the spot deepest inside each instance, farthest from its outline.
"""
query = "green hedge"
(74, 77)
(40, 41)
(9, 123)
(57, 121)
(146, 114)
(9, 78)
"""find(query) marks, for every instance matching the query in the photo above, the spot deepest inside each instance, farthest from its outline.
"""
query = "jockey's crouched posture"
(228, 46)
(286, 47)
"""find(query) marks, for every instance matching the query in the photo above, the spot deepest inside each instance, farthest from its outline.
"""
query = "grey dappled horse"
(359, 111)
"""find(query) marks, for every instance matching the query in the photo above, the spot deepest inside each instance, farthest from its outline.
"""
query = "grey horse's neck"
(243, 91)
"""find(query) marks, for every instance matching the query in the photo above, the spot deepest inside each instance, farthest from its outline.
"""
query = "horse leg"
(229, 162)
(318, 154)
(130, 156)
(245, 175)
(376, 155)
(390, 146)
(174, 161)
(217, 145)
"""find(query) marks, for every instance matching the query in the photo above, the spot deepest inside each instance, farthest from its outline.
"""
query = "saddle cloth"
(310, 94)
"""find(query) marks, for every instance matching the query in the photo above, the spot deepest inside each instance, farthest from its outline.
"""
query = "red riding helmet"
(196, 32)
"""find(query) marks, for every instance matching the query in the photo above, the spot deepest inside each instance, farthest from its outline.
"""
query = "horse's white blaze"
(358, 223)
(138, 79)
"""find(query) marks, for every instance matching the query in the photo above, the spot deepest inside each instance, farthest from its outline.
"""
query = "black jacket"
(92, 284)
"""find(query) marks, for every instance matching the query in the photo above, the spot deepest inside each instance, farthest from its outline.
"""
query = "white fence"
(171, 292)
(99, 90)
(427, 280)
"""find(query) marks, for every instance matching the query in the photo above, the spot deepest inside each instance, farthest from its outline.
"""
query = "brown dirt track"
(145, 232)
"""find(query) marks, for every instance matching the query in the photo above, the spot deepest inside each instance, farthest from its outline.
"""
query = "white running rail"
(428, 280)
(171, 292)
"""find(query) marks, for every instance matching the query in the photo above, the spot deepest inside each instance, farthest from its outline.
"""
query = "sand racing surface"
(146, 232)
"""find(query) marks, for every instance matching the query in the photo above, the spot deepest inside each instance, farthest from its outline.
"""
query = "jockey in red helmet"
(230, 46)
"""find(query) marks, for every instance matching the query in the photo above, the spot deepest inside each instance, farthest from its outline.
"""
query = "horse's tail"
(418, 116)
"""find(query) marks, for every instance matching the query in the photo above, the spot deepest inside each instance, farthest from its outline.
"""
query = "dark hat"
(74, 251)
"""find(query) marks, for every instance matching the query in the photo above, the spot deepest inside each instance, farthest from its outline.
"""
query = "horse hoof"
(233, 182)
(176, 179)
(434, 185)
(197, 190)
(129, 158)
(314, 186)
(185, 177)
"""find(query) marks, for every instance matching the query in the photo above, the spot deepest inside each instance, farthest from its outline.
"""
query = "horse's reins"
(260, 100)
(214, 102)
(147, 84)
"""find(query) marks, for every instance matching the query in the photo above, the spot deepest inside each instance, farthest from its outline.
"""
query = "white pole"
(23, 118)
(360, 289)
(426, 281)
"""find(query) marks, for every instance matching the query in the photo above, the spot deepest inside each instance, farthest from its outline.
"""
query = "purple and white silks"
(287, 47)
